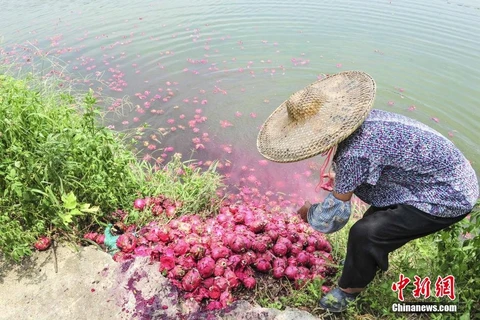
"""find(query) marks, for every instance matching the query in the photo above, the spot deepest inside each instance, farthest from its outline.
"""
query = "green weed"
(62, 172)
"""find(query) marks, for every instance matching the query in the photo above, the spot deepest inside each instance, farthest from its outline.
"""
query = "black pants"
(381, 231)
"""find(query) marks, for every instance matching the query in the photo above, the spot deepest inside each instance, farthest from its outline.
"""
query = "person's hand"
(303, 211)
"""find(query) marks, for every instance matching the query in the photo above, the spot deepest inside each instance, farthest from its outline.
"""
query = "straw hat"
(317, 117)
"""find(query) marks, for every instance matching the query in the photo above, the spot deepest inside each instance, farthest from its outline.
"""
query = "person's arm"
(350, 172)
(303, 211)
(331, 215)
(343, 196)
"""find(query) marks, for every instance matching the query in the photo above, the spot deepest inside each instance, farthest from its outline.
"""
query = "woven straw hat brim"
(317, 117)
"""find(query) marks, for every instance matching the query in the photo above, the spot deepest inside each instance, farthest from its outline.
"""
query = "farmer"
(414, 179)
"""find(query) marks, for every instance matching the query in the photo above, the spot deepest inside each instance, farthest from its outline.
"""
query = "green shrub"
(458, 254)
(62, 171)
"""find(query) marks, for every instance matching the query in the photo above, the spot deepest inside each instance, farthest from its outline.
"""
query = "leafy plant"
(62, 171)
(74, 209)
(458, 253)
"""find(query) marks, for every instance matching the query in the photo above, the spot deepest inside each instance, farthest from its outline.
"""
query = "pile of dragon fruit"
(210, 258)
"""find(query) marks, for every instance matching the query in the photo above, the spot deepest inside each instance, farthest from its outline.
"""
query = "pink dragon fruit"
(139, 204)
(263, 265)
(191, 280)
(167, 263)
(206, 267)
(127, 242)
(220, 252)
(220, 266)
(43, 243)
(249, 282)
(90, 236)
(221, 283)
(198, 251)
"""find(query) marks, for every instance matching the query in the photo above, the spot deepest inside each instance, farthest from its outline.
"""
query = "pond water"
(204, 75)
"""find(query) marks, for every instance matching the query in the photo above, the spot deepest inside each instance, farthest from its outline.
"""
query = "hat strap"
(326, 185)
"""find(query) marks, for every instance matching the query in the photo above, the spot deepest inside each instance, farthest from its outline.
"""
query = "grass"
(62, 172)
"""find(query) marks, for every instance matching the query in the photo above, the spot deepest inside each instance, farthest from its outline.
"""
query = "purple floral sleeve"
(350, 173)
(392, 159)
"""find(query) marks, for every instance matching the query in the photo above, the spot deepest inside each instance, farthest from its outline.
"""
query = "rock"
(33, 290)
(245, 311)
(141, 291)
(294, 314)
(90, 285)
